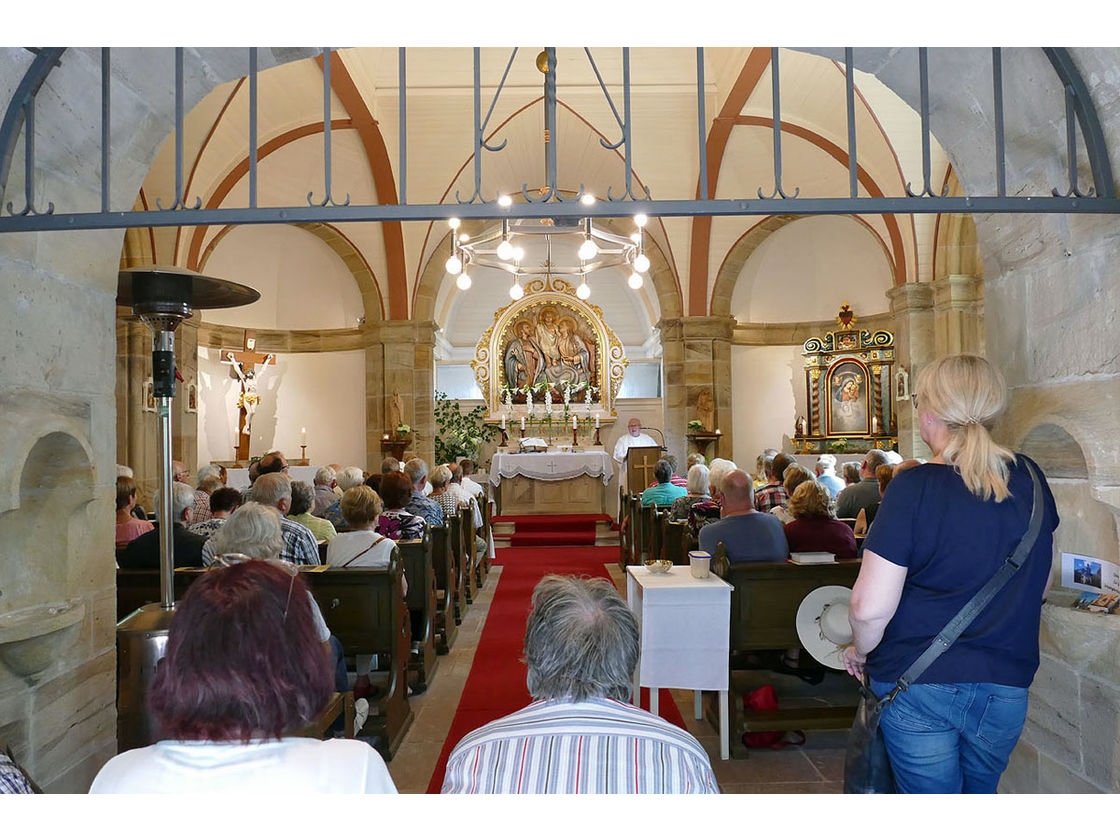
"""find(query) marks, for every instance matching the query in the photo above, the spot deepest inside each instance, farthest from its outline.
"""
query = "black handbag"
(867, 767)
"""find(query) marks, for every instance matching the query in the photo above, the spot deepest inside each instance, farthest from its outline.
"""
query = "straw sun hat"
(822, 624)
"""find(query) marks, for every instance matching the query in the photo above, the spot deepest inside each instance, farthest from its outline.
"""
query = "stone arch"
(373, 302)
(738, 254)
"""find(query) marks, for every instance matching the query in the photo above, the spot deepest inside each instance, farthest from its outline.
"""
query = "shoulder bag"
(867, 768)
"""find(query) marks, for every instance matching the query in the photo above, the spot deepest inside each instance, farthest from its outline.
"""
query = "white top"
(343, 549)
(628, 440)
(303, 765)
(472, 486)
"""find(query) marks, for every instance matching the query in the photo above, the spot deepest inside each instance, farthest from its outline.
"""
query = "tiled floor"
(816, 767)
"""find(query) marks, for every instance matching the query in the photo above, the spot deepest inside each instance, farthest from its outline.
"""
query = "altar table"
(238, 477)
(551, 482)
(684, 624)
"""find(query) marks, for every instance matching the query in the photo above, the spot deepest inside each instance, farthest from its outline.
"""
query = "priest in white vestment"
(634, 437)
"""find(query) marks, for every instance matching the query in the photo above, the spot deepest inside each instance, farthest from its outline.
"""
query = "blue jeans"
(951, 737)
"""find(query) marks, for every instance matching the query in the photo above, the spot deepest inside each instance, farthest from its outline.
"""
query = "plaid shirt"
(770, 497)
(201, 507)
(300, 546)
(12, 779)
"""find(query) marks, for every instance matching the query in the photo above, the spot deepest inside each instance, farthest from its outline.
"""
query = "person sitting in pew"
(814, 526)
(794, 476)
(243, 670)
(128, 526)
(697, 492)
(708, 510)
(664, 492)
(223, 502)
(747, 535)
(395, 522)
(143, 552)
(303, 497)
(581, 648)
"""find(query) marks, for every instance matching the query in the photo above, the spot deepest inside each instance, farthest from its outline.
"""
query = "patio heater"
(161, 297)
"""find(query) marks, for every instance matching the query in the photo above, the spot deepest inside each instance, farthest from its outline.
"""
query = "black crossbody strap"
(976, 604)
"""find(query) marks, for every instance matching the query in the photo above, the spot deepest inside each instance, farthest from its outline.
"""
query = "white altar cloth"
(551, 466)
(238, 477)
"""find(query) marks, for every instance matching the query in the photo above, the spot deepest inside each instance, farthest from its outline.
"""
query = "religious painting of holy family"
(550, 343)
(847, 388)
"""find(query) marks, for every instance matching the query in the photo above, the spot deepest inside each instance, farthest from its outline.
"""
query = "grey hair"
(581, 641)
(210, 484)
(182, 497)
(207, 471)
(827, 462)
(324, 476)
(124, 472)
(270, 488)
(416, 470)
(440, 476)
(719, 468)
(302, 496)
(698, 480)
(662, 471)
(253, 529)
(874, 459)
(350, 477)
(893, 458)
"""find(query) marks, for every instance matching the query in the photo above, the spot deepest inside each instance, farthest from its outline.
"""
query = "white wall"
(322, 392)
(797, 275)
(768, 388)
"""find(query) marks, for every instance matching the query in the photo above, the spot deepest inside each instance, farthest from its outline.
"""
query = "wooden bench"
(764, 606)
(474, 561)
(365, 609)
(674, 541)
(448, 618)
(416, 565)
(137, 587)
(487, 530)
(462, 563)
(339, 704)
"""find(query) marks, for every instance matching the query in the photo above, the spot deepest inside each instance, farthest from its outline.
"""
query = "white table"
(684, 624)
(551, 482)
(238, 477)
(551, 466)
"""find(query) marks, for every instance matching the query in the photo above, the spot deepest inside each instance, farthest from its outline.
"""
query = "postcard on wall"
(1089, 574)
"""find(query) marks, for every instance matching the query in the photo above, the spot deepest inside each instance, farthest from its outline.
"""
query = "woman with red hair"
(244, 668)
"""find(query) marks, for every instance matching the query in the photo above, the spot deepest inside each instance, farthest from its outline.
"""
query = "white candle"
(503, 422)
(874, 424)
(303, 435)
(596, 419)
(522, 424)
(574, 427)
(717, 431)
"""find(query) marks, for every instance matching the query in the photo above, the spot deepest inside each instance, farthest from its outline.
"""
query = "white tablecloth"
(551, 466)
(684, 625)
(239, 478)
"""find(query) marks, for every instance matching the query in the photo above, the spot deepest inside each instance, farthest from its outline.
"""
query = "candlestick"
(385, 436)
(523, 427)
(303, 451)
(573, 422)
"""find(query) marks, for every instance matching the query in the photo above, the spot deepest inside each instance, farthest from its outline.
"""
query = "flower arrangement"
(695, 425)
(403, 430)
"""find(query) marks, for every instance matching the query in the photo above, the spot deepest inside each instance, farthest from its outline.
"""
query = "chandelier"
(530, 247)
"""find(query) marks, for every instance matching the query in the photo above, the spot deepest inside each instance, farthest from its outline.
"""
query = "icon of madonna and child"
(547, 345)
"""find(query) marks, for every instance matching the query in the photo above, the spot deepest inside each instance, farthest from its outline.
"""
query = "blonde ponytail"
(967, 393)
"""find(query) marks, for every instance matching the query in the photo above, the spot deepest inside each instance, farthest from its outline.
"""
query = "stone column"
(912, 308)
(401, 357)
(958, 315)
(696, 354)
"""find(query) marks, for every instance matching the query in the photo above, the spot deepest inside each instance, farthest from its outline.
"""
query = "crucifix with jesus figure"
(243, 364)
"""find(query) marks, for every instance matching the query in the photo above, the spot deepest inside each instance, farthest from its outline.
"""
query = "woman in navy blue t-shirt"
(942, 531)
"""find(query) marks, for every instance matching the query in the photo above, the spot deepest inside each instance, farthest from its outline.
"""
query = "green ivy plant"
(459, 435)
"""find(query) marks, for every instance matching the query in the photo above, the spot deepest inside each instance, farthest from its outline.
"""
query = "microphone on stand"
(664, 448)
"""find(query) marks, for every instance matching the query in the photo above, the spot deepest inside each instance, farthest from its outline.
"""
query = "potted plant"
(695, 426)
(402, 431)
(459, 435)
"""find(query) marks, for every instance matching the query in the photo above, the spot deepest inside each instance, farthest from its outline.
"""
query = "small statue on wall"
(706, 409)
(396, 411)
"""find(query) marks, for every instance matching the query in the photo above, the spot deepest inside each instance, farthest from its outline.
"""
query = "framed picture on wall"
(149, 395)
(192, 398)
(902, 385)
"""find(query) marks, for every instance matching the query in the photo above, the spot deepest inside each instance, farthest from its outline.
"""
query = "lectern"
(640, 463)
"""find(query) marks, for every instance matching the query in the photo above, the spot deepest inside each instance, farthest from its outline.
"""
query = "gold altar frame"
(610, 362)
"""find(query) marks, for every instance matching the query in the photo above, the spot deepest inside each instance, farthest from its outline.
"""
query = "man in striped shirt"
(579, 735)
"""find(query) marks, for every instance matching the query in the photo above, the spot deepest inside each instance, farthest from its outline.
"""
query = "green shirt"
(662, 494)
(322, 529)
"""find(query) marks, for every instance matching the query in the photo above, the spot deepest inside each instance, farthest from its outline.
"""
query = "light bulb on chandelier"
(464, 238)
(504, 201)
(515, 291)
(518, 254)
(584, 291)
(588, 250)
(587, 199)
(464, 281)
(505, 250)
(453, 223)
(641, 263)
(453, 265)
(635, 281)
(641, 219)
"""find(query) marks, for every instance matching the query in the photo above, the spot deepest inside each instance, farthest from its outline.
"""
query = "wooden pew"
(657, 518)
(634, 505)
(674, 541)
(447, 602)
(764, 606)
(462, 570)
(647, 516)
(416, 565)
(487, 530)
(365, 609)
(137, 587)
(470, 544)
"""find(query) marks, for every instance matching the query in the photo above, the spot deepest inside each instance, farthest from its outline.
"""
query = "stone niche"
(1071, 740)
(56, 659)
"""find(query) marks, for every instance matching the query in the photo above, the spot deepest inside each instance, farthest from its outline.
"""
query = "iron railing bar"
(997, 87)
(498, 92)
(626, 130)
(1071, 142)
(476, 126)
(340, 213)
(179, 197)
(402, 126)
(702, 121)
(253, 126)
(1095, 146)
(550, 120)
(29, 85)
(105, 114)
(850, 93)
(603, 86)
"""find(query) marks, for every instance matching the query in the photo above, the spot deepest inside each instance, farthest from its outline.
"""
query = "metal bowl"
(659, 567)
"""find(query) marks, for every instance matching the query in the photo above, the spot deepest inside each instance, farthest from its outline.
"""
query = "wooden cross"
(243, 365)
(641, 462)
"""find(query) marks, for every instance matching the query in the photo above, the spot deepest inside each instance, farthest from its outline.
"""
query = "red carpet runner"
(534, 530)
(496, 684)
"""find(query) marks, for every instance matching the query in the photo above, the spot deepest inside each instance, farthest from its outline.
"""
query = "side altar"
(550, 369)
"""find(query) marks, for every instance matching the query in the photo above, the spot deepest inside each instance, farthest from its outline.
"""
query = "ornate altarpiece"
(543, 340)
(849, 376)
